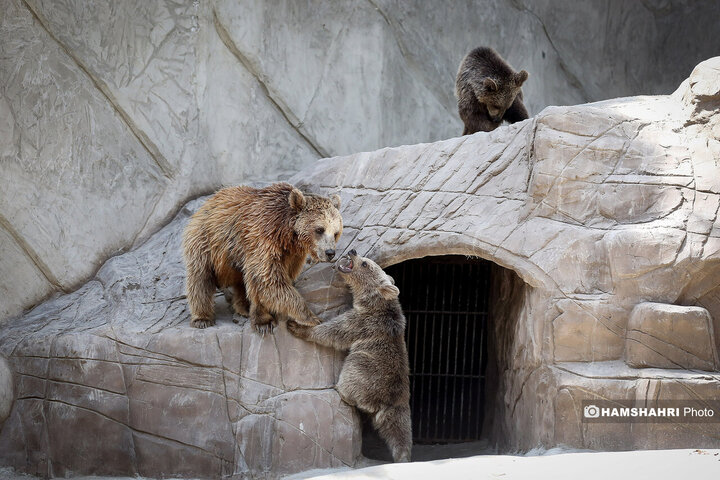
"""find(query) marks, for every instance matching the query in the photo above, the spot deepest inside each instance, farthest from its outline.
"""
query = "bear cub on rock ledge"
(375, 375)
(255, 241)
(488, 91)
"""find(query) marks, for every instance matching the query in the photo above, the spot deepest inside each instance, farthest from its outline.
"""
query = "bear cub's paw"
(294, 327)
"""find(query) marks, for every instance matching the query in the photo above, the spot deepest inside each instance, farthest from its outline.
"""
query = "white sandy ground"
(545, 465)
(554, 464)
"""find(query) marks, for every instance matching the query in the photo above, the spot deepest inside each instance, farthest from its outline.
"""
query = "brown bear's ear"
(520, 77)
(335, 200)
(297, 199)
(389, 292)
(390, 279)
(490, 84)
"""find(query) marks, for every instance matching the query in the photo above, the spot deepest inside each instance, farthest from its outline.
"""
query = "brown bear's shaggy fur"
(256, 242)
(488, 91)
(375, 374)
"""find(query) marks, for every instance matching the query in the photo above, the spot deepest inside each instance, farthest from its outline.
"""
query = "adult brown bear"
(255, 241)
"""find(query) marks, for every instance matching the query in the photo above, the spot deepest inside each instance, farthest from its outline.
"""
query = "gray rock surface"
(670, 336)
(601, 218)
(7, 393)
(112, 380)
(114, 114)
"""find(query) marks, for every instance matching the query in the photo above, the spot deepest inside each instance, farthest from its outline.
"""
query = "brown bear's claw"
(201, 323)
(265, 329)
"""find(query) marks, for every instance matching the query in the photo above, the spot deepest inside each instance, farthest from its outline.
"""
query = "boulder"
(670, 336)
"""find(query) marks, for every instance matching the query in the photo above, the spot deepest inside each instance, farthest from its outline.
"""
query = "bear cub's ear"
(297, 199)
(520, 77)
(388, 292)
(335, 200)
(490, 84)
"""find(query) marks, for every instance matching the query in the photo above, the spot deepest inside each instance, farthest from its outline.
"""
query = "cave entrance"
(446, 302)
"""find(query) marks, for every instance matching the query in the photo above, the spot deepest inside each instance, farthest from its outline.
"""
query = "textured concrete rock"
(596, 208)
(112, 380)
(670, 336)
(112, 115)
(588, 211)
(6, 390)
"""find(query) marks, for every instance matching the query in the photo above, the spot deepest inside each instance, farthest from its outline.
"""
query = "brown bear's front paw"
(201, 323)
(267, 325)
(265, 328)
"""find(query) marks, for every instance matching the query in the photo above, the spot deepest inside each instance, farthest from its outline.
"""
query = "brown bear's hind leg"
(240, 302)
(200, 289)
(260, 319)
(393, 425)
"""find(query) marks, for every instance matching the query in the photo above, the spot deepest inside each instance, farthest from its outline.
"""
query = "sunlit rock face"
(114, 114)
(601, 218)
(607, 213)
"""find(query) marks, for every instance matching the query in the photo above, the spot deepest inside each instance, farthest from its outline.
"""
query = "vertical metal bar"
(439, 307)
(451, 317)
(424, 345)
(485, 336)
(451, 363)
(463, 399)
(417, 385)
(431, 369)
(456, 323)
(467, 292)
(477, 403)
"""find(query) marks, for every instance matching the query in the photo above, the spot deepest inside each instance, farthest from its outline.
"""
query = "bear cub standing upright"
(255, 241)
(488, 91)
(375, 375)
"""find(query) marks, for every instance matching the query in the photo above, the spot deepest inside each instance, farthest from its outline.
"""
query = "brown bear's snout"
(353, 252)
(330, 254)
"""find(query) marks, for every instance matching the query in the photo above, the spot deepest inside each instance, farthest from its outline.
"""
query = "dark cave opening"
(446, 301)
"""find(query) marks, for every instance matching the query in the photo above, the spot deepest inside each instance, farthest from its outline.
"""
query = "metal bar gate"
(445, 300)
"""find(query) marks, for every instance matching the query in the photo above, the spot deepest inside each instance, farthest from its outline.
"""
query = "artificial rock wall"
(601, 218)
(114, 114)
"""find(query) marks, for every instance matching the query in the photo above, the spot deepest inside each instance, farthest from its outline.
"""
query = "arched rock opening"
(461, 314)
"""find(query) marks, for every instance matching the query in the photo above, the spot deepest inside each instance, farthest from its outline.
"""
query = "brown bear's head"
(499, 93)
(365, 278)
(318, 223)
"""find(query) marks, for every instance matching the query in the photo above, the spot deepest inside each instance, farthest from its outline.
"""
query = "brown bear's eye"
(364, 264)
(319, 230)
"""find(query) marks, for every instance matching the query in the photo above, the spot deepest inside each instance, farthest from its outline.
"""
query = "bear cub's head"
(318, 223)
(499, 93)
(365, 278)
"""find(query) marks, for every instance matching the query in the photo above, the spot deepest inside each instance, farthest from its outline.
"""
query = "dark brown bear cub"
(375, 374)
(488, 91)
(255, 241)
